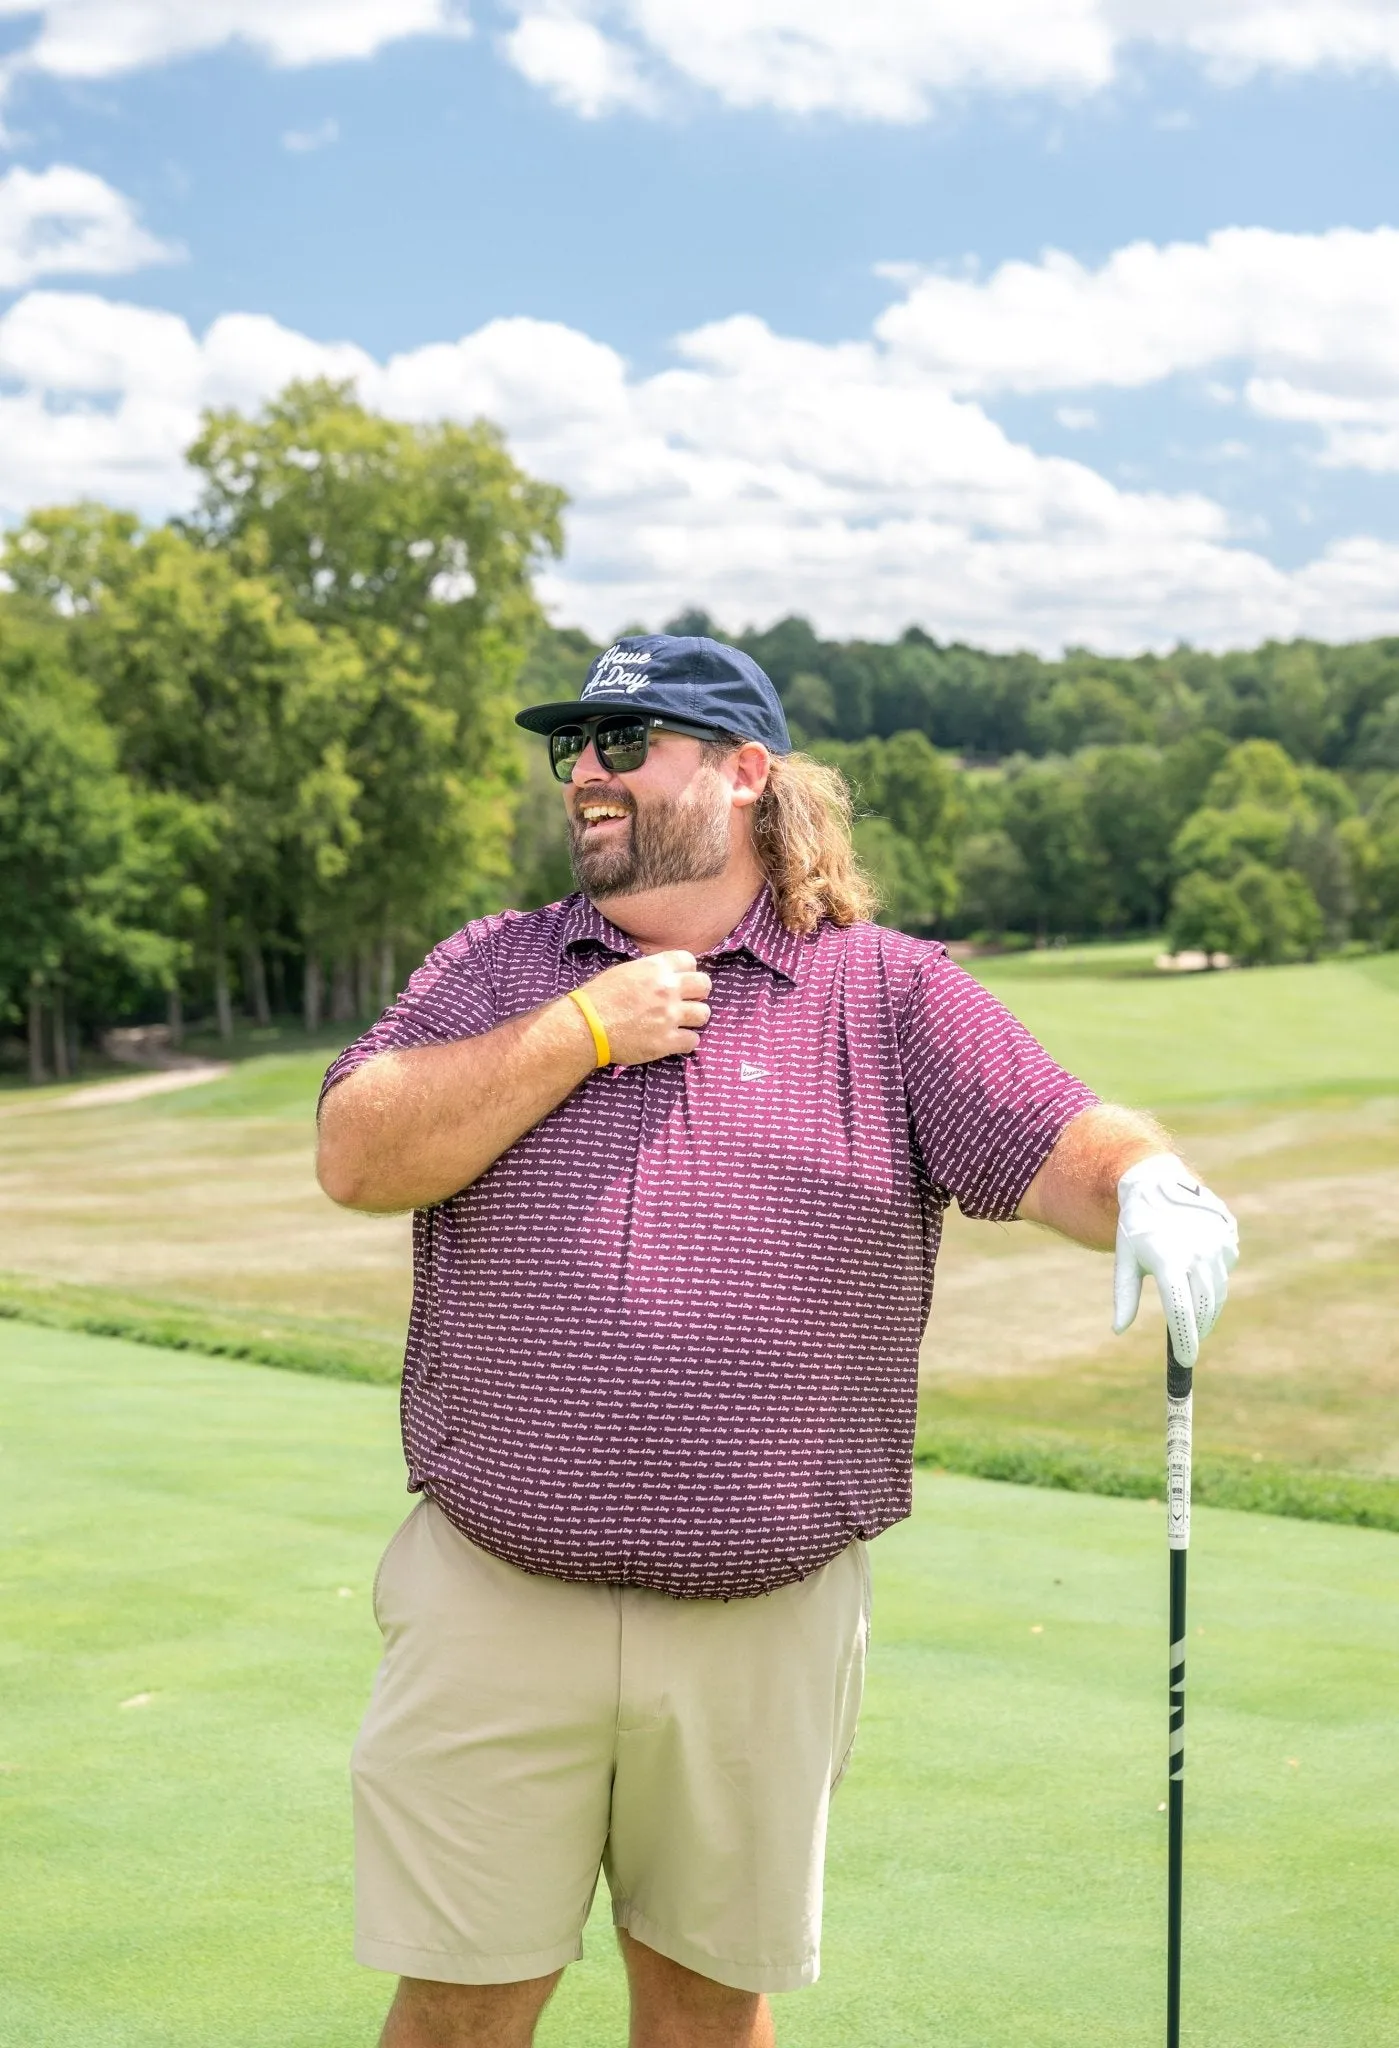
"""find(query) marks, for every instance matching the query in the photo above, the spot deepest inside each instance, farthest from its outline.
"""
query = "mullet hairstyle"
(802, 837)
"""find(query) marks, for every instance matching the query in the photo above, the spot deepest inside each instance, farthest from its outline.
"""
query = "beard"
(681, 839)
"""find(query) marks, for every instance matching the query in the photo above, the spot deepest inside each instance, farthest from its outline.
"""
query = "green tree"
(418, 542)
(1087, 711)
(1133, 813)
(1258, 772)
(74, 871)
(1287, 924)
(1222, 841)
(1209, 916)
(1046, 817)
(234, 711)
(811, 707)
(994, 894)
(913, 794)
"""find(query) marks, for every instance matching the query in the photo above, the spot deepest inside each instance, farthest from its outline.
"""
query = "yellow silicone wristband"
(594, 1024)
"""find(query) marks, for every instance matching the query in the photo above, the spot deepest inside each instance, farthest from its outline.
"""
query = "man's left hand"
(1171, 1226)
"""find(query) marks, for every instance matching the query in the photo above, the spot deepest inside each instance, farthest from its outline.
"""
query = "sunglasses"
(621, 744)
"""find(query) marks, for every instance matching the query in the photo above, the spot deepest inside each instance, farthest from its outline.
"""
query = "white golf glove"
(1171, 1226)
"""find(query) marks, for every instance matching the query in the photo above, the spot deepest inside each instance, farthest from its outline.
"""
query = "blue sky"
(881, 421)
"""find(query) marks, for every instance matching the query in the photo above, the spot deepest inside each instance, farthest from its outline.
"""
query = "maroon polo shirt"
(670, 1338)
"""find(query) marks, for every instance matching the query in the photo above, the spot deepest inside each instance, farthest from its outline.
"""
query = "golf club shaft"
(1179, 1381)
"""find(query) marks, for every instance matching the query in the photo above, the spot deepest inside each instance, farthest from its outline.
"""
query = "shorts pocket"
(389, 1549)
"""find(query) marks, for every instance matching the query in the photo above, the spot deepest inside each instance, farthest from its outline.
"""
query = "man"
(678, 1150)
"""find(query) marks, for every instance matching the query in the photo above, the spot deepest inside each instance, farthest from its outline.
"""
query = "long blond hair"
(801, 835)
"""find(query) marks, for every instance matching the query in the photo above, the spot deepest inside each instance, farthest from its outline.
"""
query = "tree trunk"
(255, 981)
(37, 1070)
(387, 990)
(313, 992)
(60, 1035)
(364, 982)
(223, 999)
(342, 991)
(175, 1017)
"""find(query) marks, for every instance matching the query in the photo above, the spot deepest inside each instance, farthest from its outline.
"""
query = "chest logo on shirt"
(748, 1072)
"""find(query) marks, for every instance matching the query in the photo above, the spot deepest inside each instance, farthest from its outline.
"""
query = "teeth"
(591, 813)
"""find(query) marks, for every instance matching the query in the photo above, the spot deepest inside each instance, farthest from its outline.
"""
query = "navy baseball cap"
(668, 675)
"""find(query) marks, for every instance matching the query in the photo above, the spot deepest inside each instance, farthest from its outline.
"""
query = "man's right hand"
(413, 1127)
(651, 1007)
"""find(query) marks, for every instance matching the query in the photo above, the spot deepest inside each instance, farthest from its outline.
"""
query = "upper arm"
(987, 1103)
(451, 996)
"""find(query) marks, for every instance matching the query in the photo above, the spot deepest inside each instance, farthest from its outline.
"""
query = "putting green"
(186, 1646)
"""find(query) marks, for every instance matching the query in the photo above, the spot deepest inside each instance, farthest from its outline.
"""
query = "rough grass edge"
(1066, 1465)
(1073, 1467)
(170, 1327)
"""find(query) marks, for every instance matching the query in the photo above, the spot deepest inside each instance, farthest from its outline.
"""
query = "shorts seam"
(466, 1966)
(418, 1948)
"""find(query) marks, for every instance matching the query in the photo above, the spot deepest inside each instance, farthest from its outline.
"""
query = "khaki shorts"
(525, 1732)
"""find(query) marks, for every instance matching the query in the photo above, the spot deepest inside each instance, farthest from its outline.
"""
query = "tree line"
(255, 760)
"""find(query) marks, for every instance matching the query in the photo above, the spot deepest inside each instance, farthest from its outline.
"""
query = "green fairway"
(1164, 1039)
(187, 1645)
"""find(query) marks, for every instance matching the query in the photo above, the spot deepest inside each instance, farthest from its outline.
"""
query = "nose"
(588, 768)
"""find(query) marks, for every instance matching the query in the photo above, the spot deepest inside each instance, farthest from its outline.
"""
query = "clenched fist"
(651, 1008)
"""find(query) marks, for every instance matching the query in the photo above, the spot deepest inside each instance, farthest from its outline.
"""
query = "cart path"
(100, 1093)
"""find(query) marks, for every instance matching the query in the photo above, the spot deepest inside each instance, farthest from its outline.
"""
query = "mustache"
(601, 793)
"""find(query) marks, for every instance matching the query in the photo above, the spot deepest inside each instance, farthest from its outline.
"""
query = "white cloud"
(99, 38)
(573, 61)
(303, 141)
(66, 221)
(889, 60)
(884, 60)
(1359, 432)
(1314, 318)
(1076, 419)
(759, 474)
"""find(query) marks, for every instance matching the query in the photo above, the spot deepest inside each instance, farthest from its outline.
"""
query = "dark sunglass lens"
(565, 745)
(621, 744)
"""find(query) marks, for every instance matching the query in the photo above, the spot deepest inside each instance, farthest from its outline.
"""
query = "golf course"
(198, 1428)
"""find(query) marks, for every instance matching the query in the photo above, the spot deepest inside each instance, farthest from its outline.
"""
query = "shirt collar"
(760, 933)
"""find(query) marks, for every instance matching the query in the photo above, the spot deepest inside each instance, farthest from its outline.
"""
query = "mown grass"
(186, 1553)
(1271, 1034)
(285, 1342)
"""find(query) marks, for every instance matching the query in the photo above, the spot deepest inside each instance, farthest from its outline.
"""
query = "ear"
(749, 768)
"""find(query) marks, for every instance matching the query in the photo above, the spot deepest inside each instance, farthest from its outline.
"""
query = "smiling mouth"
(600, 814)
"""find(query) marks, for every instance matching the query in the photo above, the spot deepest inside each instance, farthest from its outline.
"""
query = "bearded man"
(678, 1150)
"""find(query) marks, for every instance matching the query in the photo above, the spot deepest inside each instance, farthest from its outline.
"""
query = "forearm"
(1075, 1191)
(408, 1129)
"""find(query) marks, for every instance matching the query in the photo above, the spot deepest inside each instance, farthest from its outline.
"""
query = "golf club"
(1179, 1379)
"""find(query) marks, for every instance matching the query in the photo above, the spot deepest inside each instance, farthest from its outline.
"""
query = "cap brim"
(545, 717)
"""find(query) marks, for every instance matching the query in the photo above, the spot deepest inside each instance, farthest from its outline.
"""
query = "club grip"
(1179, 1429)
(1179, 1378)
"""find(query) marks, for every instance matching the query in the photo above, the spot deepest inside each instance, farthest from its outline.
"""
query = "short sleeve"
(451, 996)
(986, 1101)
